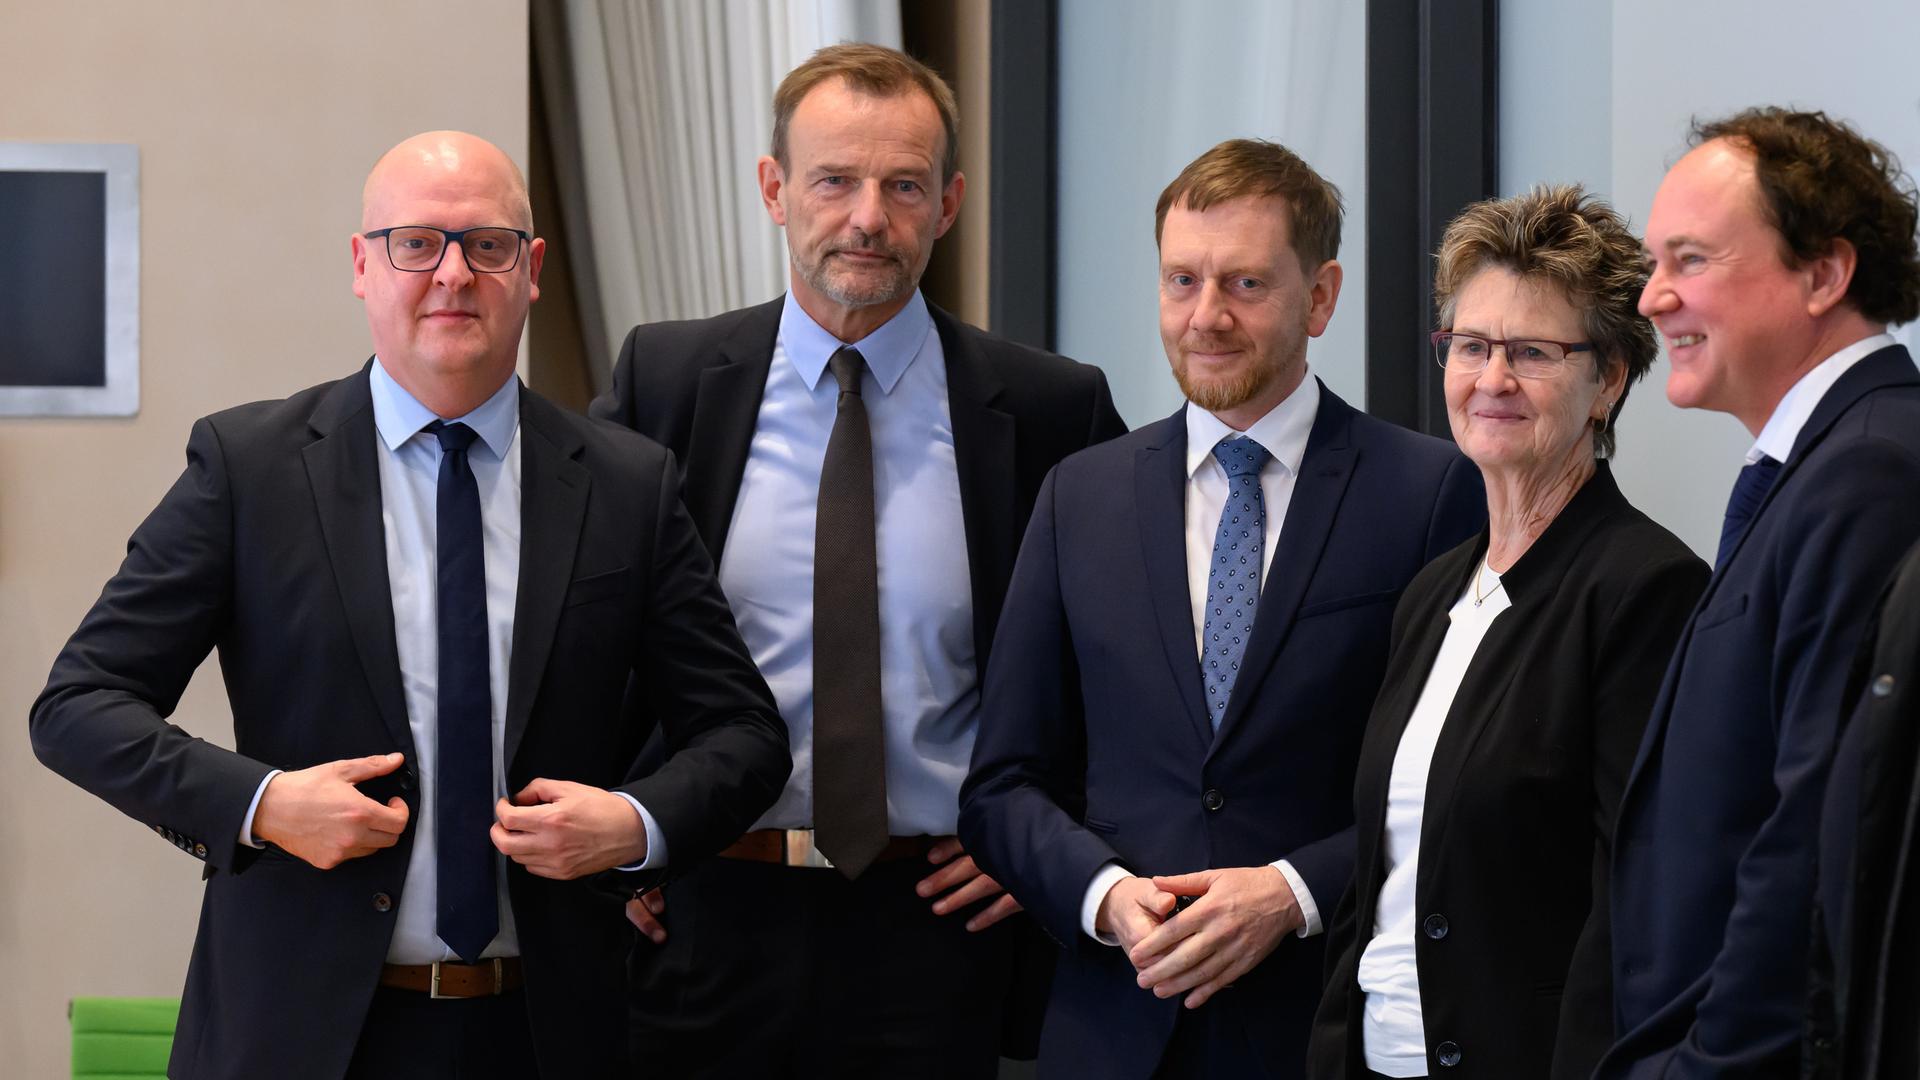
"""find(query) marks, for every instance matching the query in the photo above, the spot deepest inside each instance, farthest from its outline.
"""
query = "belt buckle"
(433, 989)
(802, 852)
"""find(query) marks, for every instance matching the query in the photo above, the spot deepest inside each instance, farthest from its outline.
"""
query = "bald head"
(449, 161)
(448, 334)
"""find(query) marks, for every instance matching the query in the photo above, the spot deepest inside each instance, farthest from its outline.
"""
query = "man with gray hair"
(861, 464)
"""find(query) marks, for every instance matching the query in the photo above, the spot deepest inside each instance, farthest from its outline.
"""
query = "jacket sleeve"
(1020, 803)
(102, 723)
(728, 757)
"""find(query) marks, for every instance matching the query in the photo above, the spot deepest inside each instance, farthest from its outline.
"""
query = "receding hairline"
(433, 148)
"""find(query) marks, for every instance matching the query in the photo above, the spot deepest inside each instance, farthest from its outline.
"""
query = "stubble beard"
(853, 290)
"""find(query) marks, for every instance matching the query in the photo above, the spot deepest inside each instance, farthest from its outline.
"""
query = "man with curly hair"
(1781, 248)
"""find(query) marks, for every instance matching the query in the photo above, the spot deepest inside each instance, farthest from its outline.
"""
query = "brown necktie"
(849, 758)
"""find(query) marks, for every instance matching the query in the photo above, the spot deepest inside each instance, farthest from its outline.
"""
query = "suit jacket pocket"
(597, 587)
(1721, 612)
(1094, 824)
(1322, 607)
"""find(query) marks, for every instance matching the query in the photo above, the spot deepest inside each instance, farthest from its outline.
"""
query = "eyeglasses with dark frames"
(1529, 358)
(418, 249)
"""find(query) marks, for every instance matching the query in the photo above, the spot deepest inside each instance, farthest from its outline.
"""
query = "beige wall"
(256, 123)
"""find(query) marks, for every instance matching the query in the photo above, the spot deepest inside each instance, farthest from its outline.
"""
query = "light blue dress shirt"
(929, 685)
(409, 462)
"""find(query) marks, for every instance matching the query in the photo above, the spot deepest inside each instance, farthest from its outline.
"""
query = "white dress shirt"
(929, 685)
(1283, 432)
(409, 462)
(1796, 408)
(1394, 1036)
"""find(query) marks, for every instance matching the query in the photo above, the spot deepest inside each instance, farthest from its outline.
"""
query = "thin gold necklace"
(1478, 596)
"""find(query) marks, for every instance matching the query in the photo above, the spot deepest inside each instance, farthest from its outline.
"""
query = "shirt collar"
(1283, 431)
(1796, 408)
(399, 416)
(888, 350)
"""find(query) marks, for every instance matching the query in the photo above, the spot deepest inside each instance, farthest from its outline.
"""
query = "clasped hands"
(1237, 917)
(958, 883)
(555, 828)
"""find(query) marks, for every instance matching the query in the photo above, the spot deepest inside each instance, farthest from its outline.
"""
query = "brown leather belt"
(794, 847)
(446, 979)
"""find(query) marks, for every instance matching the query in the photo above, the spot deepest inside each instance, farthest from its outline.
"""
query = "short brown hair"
(1243, 168)
(874, 70)
(1822, 181)
(1569, 239)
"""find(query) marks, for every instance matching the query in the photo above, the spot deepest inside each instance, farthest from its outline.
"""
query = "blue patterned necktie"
(1233, 577)
(468, 911)
(1749, 491)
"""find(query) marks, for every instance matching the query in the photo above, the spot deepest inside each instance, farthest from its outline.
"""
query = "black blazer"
(270, 548)
(1515, 836)
(1096, 743)
(1714, 853)
(1866, 950)
(696, 386)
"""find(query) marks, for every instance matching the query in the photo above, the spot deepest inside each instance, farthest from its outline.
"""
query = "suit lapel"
(1325, 468)
(553, 503)
(344, 473)
(1886, 367)
(726, 408)
(1160, 505)
(983, 439)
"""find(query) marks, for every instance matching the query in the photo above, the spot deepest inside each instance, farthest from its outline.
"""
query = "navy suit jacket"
(270, 549)
(1095, 742)
(1713, 872)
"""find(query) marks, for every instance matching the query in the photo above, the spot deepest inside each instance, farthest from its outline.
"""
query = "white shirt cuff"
(656, 840)
(1309, 910)
(246, 823)
(1104, 879)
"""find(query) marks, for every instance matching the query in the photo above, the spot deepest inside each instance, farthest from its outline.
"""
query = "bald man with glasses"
(429, 588)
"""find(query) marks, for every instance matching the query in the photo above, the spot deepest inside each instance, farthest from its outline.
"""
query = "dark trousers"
(412, 1036)
(1207, 1042)
(773, 971)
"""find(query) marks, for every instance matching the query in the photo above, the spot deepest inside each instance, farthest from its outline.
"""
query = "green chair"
(122, 1038)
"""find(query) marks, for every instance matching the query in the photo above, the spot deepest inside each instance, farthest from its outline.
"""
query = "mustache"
(866, 245)
(1202, 343)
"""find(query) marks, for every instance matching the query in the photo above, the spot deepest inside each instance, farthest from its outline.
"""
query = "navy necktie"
(1749, 491)
(1233, 577)
(467, 914)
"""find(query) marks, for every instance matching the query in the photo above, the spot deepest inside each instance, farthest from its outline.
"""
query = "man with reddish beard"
(1782, 248)
(1191, 643)
(861, 464)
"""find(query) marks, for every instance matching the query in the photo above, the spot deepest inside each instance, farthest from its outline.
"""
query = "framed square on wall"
(70, 286)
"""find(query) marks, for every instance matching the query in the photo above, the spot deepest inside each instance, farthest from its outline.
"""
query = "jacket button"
(1435, 926)
(1447, 1053)
(1883, 686)
(200, 850)
(1213, 800)
(406, 780)
(382, 902)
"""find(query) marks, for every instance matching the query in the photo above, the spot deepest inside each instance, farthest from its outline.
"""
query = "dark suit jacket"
(270, 548)
(1866, 950)
(1516, 833)
(1096, 744)
(696, 386)
(1714, 852)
